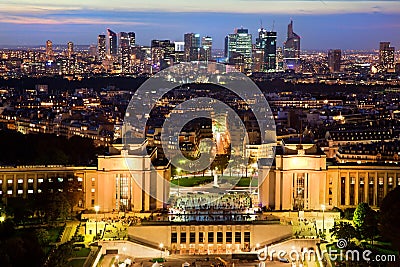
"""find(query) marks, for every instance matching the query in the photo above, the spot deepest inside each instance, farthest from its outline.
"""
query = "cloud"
(217, 6)
(24, 19)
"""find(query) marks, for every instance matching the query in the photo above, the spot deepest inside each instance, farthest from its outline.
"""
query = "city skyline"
(321, 24)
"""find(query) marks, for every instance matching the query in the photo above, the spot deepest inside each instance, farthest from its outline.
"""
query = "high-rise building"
(112, 48)
(206, 44)
(192, 46)
(334, 60)
(270, 51)
(179, 52)
(49, 49)
(291, 48)
(70, 49)
(132, 39)
(124, 52)
(386, 56)
(162, 54)
(266, 41)
(240, 42)
(101, 46)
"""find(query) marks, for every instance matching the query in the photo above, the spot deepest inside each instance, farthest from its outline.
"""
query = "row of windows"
(210, 237)
(40, 180)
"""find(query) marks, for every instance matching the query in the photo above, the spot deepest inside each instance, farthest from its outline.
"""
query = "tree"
(365, 221)
(360, 213)
(344, 230)
(389, 223)
(42, 236)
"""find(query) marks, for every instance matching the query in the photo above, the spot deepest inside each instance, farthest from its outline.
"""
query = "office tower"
(279, 59)
(49, 49)
(179, 52)
(334, 60)
(291, 48)
(192, 46)
(240, 43)
(132, 39)
(258, 59)
(206, 44)
(70, 49)
(101, 46)
(162, 54)
(386, 56)
(111, 44)
(270, 51)
(266, 41)
(124, 52)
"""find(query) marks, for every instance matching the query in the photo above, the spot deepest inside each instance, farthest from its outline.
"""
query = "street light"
(179, 178)
(323, 207)
(2, 219)
(96, 208)
(161, 248)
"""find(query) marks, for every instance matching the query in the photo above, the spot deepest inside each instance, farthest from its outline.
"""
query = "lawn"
(54, 233)
(193, 181)
(83, 252)
(200, 180)
(76, 263)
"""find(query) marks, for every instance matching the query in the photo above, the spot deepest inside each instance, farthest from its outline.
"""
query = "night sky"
(321, 24)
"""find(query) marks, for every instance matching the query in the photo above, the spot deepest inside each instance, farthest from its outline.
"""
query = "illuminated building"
(192, 46)
(162, 52)
(124, 52)
(111, 44)
(239, 44)
(291, 49)
(206, 44)
(49, 49)
(132, 39)
(386, 56)
(111, 185)
(179, 51)
(334, 60)
(101, 46)
(70, 49)
(266, 41)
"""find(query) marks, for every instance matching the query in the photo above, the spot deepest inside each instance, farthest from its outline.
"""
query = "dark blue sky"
(359, 29)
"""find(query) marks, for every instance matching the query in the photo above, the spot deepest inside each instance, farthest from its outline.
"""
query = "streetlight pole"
(179, 178)
(323, 219)
(161, 248)
(96, 208)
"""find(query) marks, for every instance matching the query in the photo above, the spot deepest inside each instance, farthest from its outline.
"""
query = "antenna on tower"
(273, 25)
(261, 23)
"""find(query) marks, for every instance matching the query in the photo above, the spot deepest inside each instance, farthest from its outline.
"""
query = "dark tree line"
(41, 149)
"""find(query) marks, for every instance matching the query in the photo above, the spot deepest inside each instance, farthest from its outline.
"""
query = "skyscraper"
(162, 54)
(334, 60)
(49, 49)
(70, 49)
(101, 46)
(132, 39)
(266, 41)
(386, 56)
(192, 46)
(291, 48)
(206, 44)
(124, 52)
(240, 42)
(112, 48)
(270, 51)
